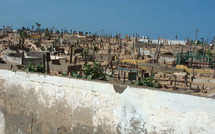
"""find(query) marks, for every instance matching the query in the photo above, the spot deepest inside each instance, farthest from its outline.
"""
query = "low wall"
(12, 59)
(32, 61)
(34, 103)
(2, 123)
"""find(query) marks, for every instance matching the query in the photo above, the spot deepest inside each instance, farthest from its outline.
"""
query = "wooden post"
(117, 64)
(44, 63)
(170, 82)
(136, 64)
(203, 59)
(124, 77)
(100, 46)
(86, 59)
(137, 76)
(118, 73)
(214, 71)
(193, 74)
(71, 54)
(120, 43)
(118, 69)
(157, 56)
(111, 65)
(190, 85)
(152, 70)
(142, 74)
(121, 67)
(109, 50)
(147, 44)
(185, 82)
(48, 59)
(150, 42)
(75, 60)
(23, 56)
(175, 82)
(200, 63)
(93, 55)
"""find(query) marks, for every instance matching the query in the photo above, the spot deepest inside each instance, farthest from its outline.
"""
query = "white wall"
(2, 123)
(136, 110)
(165, 41)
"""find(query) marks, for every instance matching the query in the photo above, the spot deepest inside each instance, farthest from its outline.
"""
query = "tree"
(38, 29)
(22, 35)
(32, 28)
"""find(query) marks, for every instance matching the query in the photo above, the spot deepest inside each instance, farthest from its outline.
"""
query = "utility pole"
(203, 49)
(196, 35)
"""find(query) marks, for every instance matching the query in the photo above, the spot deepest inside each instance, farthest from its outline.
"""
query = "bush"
(37, 68)
(149, 81)
(75, 74)
(64, 74)
(95, 71)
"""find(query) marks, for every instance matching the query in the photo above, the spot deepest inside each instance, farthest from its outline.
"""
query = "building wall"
(35, 103)
(165, 41)
(58, 68)
(32, 61)
(36, 54)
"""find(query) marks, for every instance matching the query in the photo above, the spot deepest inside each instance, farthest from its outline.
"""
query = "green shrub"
(64, 74)
(31, 68)
(149, 81)
(95, 71)
(75, 74)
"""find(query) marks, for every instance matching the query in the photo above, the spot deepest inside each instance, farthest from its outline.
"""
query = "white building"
(164, 41)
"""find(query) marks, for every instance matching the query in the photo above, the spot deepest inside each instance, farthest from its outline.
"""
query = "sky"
(153, 18)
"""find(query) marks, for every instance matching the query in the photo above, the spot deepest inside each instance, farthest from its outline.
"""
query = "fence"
(196, 59)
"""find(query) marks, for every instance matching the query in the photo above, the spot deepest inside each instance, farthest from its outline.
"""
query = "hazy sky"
(154, 18)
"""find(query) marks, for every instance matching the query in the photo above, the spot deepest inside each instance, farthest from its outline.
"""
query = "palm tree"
(22, 36)
(39, 30)
(4, 29)
(38, 26)
(32, 28)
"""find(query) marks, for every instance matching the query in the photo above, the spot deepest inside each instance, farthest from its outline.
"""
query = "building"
(164, 41)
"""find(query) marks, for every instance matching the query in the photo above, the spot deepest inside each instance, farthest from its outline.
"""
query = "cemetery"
(79, 82)
(107, 67)
(132, 60)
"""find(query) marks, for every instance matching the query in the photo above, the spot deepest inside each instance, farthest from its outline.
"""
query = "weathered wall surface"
(2, 123)
(33, 103)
